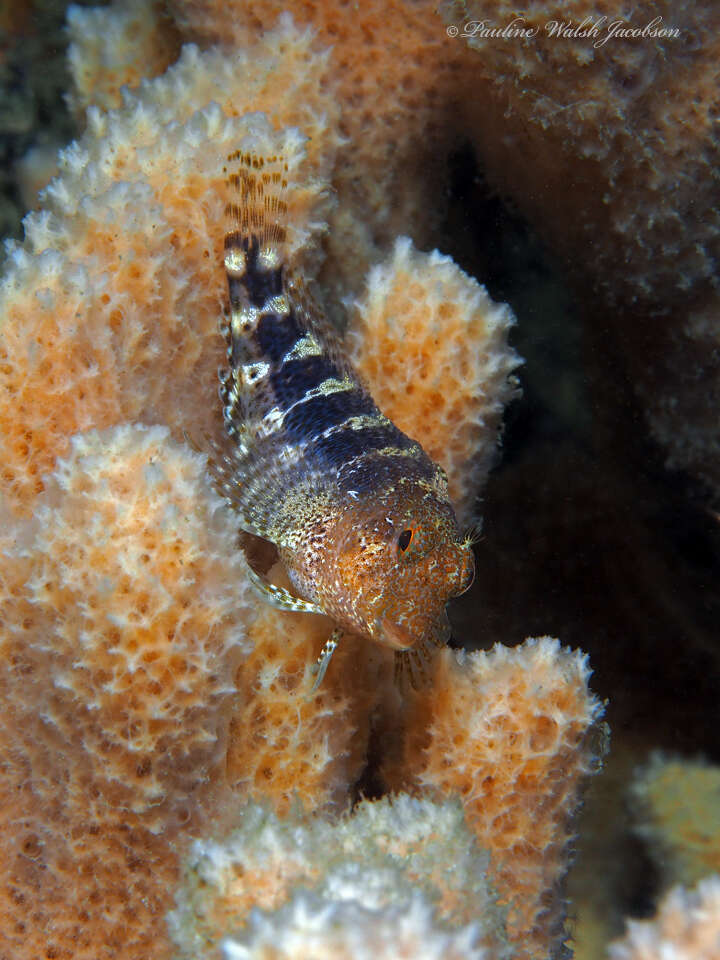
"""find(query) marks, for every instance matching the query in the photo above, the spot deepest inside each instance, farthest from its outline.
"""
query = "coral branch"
(111, 307)
(135, 718)
(511, 733)
(387, 857)
(686, 927)
(125, 610)
(433, 348)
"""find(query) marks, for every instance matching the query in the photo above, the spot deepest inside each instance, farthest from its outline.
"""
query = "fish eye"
(405, 539)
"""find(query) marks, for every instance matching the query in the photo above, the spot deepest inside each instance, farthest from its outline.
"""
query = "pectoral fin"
(279, 596)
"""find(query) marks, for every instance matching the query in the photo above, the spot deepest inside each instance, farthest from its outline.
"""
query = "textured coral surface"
(610, 145)
(312, 929)
(393, 158)
(610, 157)
(687, 927)
(124, 609)
(609, 149)
(503, 729)
(111, 307)
(434, 347)
(387, 858)
(117, 46)
(287, 746)
(131, 726)
(508, 734)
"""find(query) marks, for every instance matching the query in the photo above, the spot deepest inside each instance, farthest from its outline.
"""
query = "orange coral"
(110, 315)
(394, 154)
(501, 730)
(508, 732)
(116, 46)
(433, 348)
(290, 747)
(609, 150)
(125, 607)
(111, 307)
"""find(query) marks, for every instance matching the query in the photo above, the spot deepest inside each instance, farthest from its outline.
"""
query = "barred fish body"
(358, 512)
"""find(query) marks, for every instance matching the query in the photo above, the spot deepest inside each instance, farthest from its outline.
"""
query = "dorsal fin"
(256, 209)
(255, 256)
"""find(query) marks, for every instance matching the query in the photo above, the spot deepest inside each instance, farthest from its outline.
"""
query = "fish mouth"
(401, 637)
(395, 635)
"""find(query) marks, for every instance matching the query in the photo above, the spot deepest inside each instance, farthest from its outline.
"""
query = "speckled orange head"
(397, 565)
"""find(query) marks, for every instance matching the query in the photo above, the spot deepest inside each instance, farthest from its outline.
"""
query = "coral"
(116, 46)
(678, 817)
(395, 146)
(311, 108)
(119, 280)
(610, 158)
(609, 149)
(312, 929)
(498, 731)
(124, 609)
(374, 861)
(285, 746)
(501, 729)
(686, 927)
(617, 163)
(130, 726)
(617, 140)
(451, 378)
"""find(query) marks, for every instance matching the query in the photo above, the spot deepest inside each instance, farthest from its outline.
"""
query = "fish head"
(400, 562)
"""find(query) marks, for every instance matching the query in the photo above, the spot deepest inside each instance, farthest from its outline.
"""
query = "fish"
(357, 511)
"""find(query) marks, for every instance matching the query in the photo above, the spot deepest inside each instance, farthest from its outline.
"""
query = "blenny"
(358, 512)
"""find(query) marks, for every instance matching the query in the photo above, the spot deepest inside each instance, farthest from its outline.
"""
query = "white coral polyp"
(686, 927)
(308, 928)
